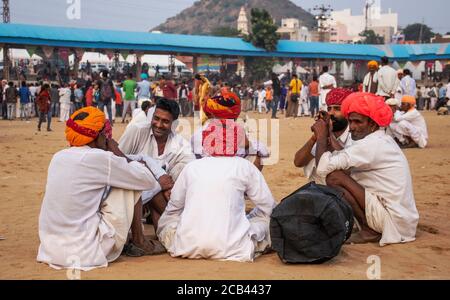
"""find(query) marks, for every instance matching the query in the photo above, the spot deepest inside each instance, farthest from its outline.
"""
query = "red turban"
(369, 105)
(223, 138)
(226, 106)
(337, 96)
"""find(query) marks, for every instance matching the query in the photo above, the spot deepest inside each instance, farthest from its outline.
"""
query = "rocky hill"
(207, 15)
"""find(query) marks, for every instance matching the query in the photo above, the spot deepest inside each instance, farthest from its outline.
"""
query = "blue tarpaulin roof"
(23, 35)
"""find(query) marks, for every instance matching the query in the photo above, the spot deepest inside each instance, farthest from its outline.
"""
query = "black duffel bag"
(311, 225)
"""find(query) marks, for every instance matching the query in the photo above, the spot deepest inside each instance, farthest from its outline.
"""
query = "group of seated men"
(97, 189)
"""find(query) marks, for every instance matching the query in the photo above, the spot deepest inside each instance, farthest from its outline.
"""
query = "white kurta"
(410, 124)
(71, 223)
(310, 169)
(387, 81)
(325, 80)
(139, 139)
(380, 167)
(205, 217)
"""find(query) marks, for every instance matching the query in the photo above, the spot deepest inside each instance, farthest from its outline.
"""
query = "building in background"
(348, 27)
(291, 30)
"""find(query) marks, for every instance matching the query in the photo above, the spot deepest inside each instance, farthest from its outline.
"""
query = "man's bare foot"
(148, 247)
(364, 237)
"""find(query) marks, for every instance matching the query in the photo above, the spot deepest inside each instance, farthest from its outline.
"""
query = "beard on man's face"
(339, 124)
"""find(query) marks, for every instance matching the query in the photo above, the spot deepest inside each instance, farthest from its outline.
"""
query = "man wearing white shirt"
(205, 217)
(409, 127)
(373, 173)
(387, 80)
(326, 83)
(64, 100)
(155, 137)
(92, 198)
(408, 84)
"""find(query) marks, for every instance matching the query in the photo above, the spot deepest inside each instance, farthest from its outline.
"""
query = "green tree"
(225, 31)
(263, 35)
(370, 37)
(418, 32)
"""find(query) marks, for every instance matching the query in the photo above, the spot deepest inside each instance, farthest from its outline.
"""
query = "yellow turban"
(409, 99)
(372, 64)
(84, 126)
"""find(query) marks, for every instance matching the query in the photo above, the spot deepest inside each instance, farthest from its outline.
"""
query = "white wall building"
(291, 30)
(348, 27)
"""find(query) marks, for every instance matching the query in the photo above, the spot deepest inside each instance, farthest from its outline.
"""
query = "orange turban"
(409, 99)
(369, 105)
(372, 64)
(226, 106)
(84, 126)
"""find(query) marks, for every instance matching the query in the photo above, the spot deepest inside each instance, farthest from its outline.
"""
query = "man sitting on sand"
(216, 108)
(409, 127)
(339, 135)
(205, 217)
(92, 198)
(379, 187)
(155, 137)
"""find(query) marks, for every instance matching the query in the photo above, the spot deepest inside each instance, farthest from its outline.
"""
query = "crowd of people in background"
(283, 94)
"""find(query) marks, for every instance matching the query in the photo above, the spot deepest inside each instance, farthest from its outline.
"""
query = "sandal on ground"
(132, 250)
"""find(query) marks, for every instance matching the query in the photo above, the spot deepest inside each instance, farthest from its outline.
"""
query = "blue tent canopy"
(21, 35)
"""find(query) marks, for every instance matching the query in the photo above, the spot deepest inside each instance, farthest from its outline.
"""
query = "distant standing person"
(129, 87)
(295, 89)
(143, 90)
(408, 84)
(276, 85)
(107, 95)
(54, 96)
(11, 100)
(326, 83)
(25, 101)
(64, 102)
(370, 84)
(387, 80)
(44, 101)
(314, 96)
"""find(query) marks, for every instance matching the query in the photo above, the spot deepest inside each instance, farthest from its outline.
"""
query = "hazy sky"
(142, 15)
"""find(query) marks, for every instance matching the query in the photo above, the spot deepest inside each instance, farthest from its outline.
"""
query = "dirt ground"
(26, 153)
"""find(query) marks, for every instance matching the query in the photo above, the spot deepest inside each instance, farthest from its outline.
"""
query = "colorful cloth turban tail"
(82, 132)
(369, 105)
(337, 96)
(223, 135)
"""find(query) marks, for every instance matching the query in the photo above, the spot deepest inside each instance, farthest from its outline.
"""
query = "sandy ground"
(25, 155)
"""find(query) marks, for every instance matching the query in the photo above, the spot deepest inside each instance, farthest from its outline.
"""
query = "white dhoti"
(379, 219)
(403, 129)
(259, 233)
(117, 212)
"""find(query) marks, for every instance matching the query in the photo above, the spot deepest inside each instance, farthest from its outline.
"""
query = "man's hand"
(167, 194)
(166, 182)
(320, 129)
